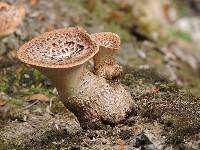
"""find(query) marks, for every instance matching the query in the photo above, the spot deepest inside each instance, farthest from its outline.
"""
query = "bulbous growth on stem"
(62, 55)
(105, 65)
(11, 16)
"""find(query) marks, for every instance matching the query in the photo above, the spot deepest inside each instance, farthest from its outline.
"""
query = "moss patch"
(159, 100)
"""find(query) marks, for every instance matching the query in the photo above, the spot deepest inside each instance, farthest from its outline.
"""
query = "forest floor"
(161, 70)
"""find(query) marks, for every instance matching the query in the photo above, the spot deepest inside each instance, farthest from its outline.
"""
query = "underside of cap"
(61, 48)
(107, 39)
(10, 17)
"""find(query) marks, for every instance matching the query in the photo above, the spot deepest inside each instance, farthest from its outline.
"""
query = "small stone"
(26, 76)
(139, 140)
(150, 147)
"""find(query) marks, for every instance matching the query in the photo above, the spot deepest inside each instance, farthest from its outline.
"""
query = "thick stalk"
(105, 66)
(64, 79)
(91, 98)
(70, 84)
(104, 56)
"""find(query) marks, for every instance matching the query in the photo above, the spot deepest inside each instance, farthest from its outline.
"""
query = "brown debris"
(116, 16)
(41, 17)
(18, 70)
(4, 6)
(120, 142)
(2, 103)
(33, 2)
(39, 97)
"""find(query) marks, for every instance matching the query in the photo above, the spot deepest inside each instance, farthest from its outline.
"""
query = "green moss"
(182, 7)
(149, 75)
(31, 77)
(181, 35)
(27, 82)
(113, 27)
(16, 102)
(101, 17)
(185, 73)
(159, 100)
(4, 87)
(3, 145)
(37, 75)
(113, 4)
(97, 12)
(58, 108)
(128, 79)
(56, 136)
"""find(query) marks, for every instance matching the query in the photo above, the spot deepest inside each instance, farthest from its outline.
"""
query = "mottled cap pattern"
(107, 40)
(61, 48)
(10, 17)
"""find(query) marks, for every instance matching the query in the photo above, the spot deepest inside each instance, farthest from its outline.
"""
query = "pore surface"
(59, 48)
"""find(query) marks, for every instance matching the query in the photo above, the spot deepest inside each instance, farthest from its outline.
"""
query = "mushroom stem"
(92, 99)
(64, 79)
(105, 66)
(104, 56)
(104, 63)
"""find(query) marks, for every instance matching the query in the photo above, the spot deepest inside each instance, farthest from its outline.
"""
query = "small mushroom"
(62, 56)
(105, 66)
(11, 16)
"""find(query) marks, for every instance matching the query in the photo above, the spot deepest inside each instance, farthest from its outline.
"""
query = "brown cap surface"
(10, 17)
(4, 5)
(107, 39)
(61, 48)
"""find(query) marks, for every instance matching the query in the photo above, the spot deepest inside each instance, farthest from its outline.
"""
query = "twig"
(28, 106)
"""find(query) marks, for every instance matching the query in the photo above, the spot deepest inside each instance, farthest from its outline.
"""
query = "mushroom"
(105, 66)
(62, 56)
(11, 16)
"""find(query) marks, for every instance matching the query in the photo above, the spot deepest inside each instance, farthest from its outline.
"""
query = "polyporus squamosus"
(105, 65)
(10, 17)
(62, 56)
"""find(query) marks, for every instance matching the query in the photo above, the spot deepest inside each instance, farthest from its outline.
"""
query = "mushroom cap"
(61, 48)
(4, 5)
(11, 17)
(107, 39)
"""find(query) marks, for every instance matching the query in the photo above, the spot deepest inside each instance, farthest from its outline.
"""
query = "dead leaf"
(154, 90)
(120, 142)
(121, 148)
(2, 103)
(166, 8)
(39, 97)
(18, 70)
(90, 5)
(33, 2)
(116, 16)
(124, 3)
(41, 17)
(4, 6)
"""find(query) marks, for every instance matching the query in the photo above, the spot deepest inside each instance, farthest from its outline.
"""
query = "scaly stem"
(64, 79)
(92, 99)
(105, 66)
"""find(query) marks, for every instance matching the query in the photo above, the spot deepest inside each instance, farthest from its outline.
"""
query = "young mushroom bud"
(104, 64)
(62, 55)
(11, 17)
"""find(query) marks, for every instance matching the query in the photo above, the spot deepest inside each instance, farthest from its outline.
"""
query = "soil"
(167, 114)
